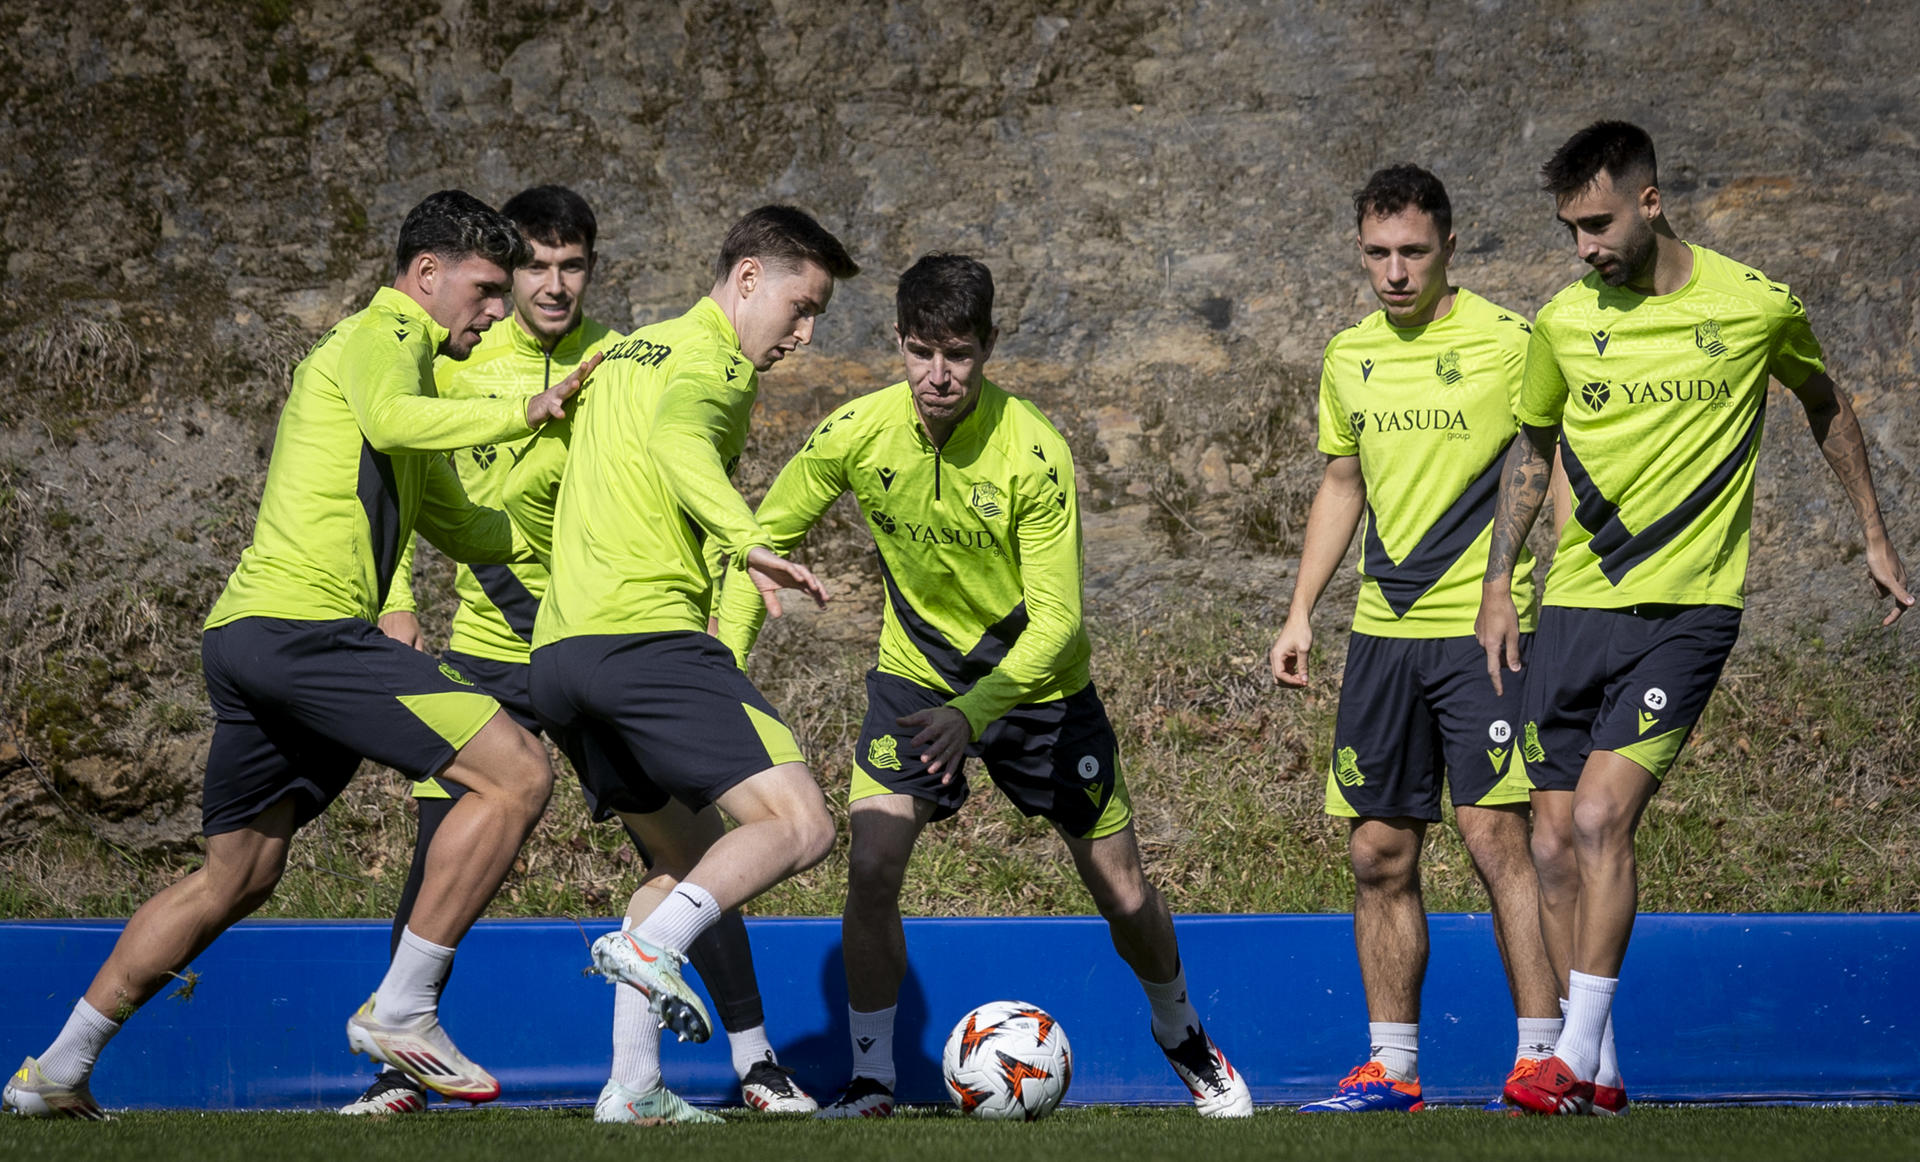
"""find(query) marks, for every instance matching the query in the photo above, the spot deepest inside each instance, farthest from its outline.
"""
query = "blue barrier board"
(1711, 1008)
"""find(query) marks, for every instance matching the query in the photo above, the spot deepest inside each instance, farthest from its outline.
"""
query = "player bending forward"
(302, 684)
(1416, 411)
(543, 340)
(624, 673)
(1652, 372)
(969, 493)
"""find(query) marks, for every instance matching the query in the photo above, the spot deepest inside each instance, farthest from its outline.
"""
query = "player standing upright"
(1652, 372)
(969, 494)
(303, 685)
(1416, 411)
(547, 335)
(624, 672)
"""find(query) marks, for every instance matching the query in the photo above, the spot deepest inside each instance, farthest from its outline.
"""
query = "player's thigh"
(882, 831)
(1671, 662)
(1060, 761)
(673, 837)
(1481, 732)
(501, 759)
(886, 765)
(1387, 758)
(1110, 867)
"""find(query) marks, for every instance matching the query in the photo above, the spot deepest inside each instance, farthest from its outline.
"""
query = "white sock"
(750, 1047)
(636, 1041)
(687, 911)
(1537, 1037)
(411, 988)
(1174, 1017)
(872, 1035)
(1608, 1071)
(69, 1060)
(1396, 1047)
(1589, 1003)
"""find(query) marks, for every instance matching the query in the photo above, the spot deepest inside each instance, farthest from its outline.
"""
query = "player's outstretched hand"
(551, 404)
(942, 740)
(402, 626)
(771, 574)
(1889, 577)
(1289, 656)
(1498, 629)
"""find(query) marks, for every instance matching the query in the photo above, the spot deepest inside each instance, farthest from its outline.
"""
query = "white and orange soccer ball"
(1008, 1061)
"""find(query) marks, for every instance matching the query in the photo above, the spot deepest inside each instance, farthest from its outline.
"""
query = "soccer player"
(969, 493)
(1651, 372)
(544, 339)
(1416, 411)
(624, 672)
(302, 684)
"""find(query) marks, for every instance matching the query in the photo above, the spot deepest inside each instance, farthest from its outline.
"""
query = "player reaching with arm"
(624, 673)
(1651, 372)
(1416, 411)
(969, 494)
(545, 338)
(302, 684)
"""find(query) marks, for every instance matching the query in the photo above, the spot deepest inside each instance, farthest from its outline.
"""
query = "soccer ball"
(1007, 1060)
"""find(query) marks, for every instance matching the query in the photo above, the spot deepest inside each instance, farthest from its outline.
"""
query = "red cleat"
(1609, 1101)
(1551, 1089)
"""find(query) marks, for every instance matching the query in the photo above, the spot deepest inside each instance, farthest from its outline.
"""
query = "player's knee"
(812, 837)
(1122, 899)
(1383, 864)
(1599, 825)
(874, 877)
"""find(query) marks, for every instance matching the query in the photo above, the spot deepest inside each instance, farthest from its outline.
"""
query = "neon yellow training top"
(498, 602)
(1661, 400)
(357, 466)
(1429, 411)
(646, 458)
(979, 545)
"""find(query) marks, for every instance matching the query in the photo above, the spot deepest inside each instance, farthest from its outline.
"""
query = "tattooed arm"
(1523, 489)
(1837, 431)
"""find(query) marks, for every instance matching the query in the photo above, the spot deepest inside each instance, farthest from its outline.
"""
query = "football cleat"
(863, 1098)
(655, 1107)
(422, 1050)
(29, 1093)
(393, 1092)
(1369, 1090)
(1521, 1069)
(769, 1087)
(1218, 1089)
(1551, 1089)
(627, 959)
(1609, 1101)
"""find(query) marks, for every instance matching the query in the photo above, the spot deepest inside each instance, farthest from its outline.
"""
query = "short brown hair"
(785, 235)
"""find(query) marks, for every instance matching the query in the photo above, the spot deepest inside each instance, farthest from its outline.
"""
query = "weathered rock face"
(191, 193)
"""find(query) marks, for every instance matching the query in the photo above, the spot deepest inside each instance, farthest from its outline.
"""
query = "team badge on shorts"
(1346, 768)
(884, 753)
(453, 675)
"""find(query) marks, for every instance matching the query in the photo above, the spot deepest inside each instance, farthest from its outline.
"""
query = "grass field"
(1114, 1135)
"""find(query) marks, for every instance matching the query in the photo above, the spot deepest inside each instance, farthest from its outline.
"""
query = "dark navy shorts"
(507, 683)
(655, 715)
(1632, 681)
(1413, 710)
(298, 704)
(1058, 760)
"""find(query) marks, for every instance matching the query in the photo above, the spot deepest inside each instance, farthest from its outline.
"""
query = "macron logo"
(866, 1043)
(1600, 342)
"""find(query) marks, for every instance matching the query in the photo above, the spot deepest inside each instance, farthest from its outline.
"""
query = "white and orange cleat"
(1217, 1087)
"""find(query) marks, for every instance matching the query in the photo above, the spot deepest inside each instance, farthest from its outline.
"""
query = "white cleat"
(769, 1088)
(656, 1107)
(1218, 1089)
(393, 1092)
(422, 1050)
(30, 1094)
(863, 1098)
(627, 959)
